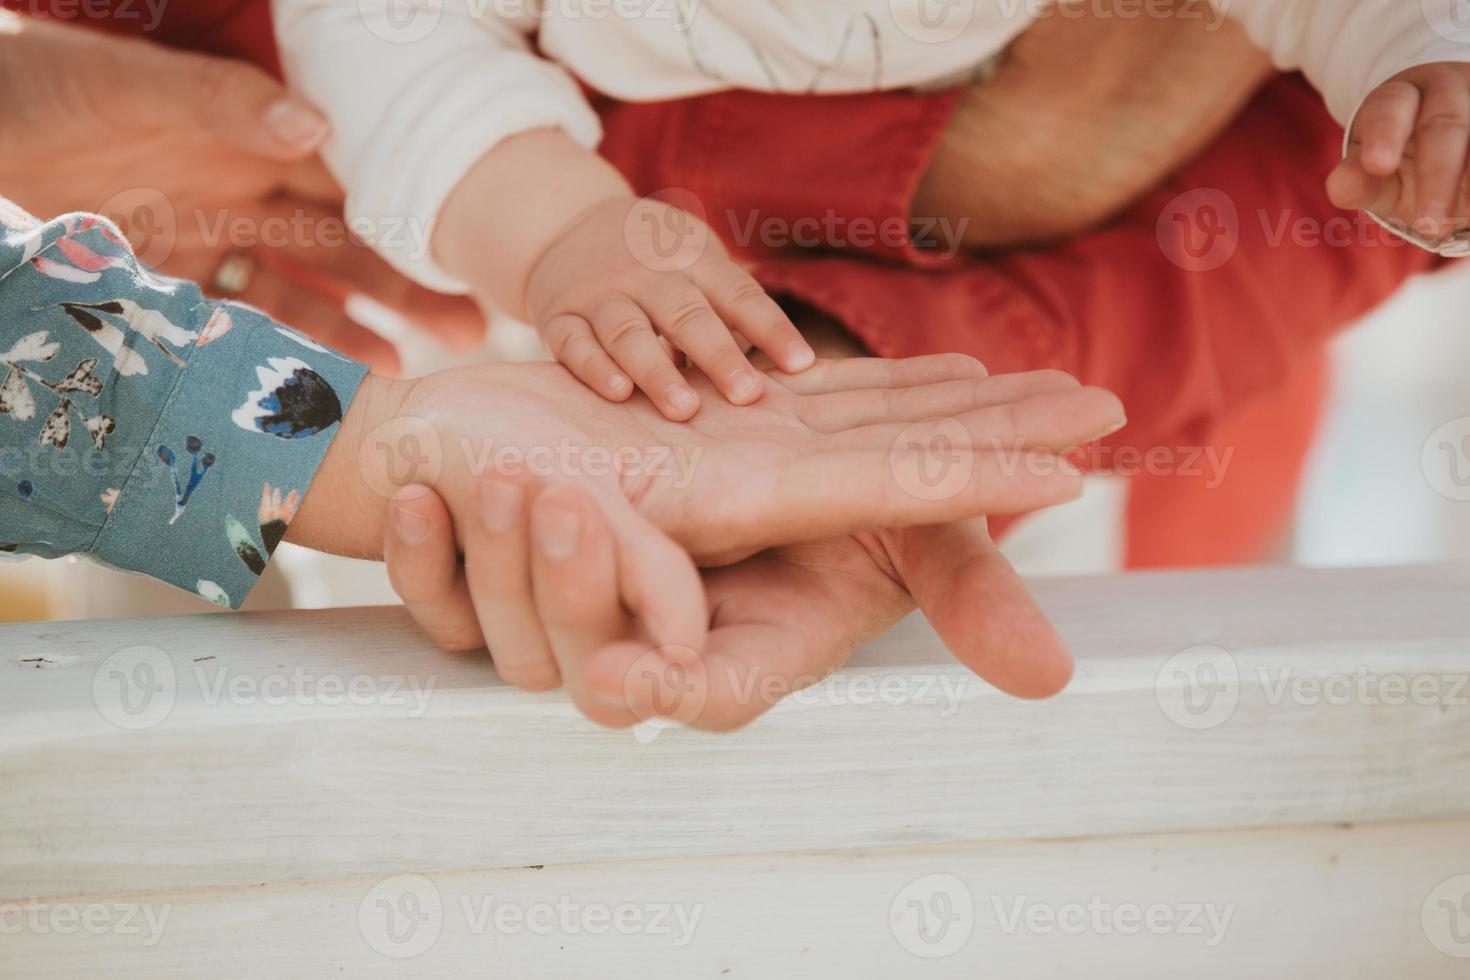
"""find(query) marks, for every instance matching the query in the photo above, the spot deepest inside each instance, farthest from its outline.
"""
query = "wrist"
(343, 510)
(506, 212)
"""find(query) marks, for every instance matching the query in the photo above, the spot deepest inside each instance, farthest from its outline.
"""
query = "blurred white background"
(1373, 495)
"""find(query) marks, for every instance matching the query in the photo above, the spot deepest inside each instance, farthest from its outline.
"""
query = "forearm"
(1085, 116)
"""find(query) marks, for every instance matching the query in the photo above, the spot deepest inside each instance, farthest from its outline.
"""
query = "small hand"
(1406, 159)
(630, 271)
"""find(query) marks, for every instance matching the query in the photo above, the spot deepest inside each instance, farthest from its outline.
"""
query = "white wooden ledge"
(265, 777)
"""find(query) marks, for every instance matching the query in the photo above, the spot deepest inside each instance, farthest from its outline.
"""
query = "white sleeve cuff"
(428, 146)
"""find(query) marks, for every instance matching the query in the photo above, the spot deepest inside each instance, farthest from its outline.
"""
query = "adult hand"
(843, 446)
(593, 609)
(198, 158)
(630, 641)
(1088, 112)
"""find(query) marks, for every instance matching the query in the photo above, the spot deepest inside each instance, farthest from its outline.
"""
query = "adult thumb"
(234, 100)
(981, 608)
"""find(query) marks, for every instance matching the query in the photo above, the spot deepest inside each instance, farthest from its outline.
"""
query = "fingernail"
(500, 505)
(411, 528)
(745, 386)
(799, 356)
(1110, 429)
(295, 124)
(617, 382)
(556, 529)
(680, 398)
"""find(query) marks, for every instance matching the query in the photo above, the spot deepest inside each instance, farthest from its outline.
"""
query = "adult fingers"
(839, 410)
(832, 494)
(497, 564)
(650, 677)
(315, 238)
(782, 622)
(981, 608)
(423, 567)
(842, 374)
(1053, 420)
(234, 100)
(310, 180)
(575, 582)
(619, 594)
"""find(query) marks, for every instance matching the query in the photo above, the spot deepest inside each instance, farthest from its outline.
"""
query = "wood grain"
(269, 785)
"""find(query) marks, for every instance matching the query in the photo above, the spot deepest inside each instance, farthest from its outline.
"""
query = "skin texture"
(589, 583)
(1087, 113)
(827, 451)
(197, 157)
(613, 283)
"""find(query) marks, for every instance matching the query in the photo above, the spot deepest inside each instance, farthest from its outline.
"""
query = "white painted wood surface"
(249, 799)
(1301, 904)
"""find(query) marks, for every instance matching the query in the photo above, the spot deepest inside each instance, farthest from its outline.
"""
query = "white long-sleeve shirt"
(419, 90)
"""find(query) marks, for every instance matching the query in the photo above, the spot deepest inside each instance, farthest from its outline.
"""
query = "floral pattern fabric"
(143, 424)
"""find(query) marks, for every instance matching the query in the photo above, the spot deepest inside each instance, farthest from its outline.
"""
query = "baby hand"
(1406, 158)
(628, 271)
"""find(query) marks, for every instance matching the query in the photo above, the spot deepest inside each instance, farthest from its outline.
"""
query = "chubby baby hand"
(1406, 158)
(629, 271)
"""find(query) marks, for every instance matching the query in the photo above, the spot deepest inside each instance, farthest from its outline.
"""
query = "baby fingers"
(749, 310)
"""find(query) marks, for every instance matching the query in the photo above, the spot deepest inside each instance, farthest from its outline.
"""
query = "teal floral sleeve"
(143, 424)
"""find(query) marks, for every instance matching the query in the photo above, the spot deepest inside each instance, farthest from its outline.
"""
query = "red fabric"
(1225, 360)
(241, 28)
(1229, 358)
